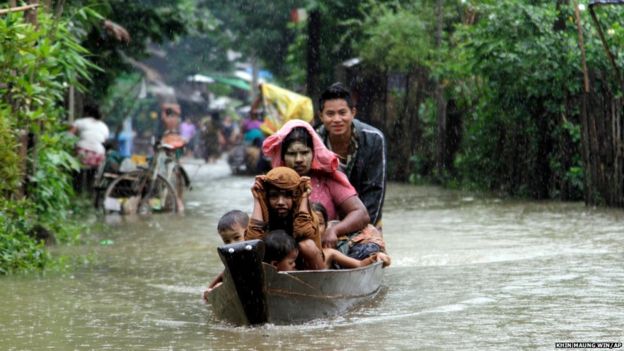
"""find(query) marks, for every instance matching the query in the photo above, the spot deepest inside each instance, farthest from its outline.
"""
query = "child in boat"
(281, 252)
(232, 225)
(231, 229)
(335, 256)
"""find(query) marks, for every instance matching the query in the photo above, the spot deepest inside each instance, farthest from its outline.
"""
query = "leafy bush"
(523, 136)
(19, 252)
(36, 65)
(10, 172)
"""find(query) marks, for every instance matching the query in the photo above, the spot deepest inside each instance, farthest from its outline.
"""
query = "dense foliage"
(525, 140)
(481, 94)
(146, 21)
(511, 77)
(37, 64)
(68, 46)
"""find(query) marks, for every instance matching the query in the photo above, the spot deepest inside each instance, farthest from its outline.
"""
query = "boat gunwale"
(317, 271)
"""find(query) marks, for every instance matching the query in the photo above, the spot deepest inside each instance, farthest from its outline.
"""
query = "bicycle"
(149, 189)
(106, 172)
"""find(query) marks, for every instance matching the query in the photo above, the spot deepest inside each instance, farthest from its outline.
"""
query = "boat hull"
(268, 296)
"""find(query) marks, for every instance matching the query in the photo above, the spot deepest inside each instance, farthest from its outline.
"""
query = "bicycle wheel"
(125, 191)
(160, 196)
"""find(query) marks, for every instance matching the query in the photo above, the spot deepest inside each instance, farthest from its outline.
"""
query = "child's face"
(288, 262)
(280, 201)
(321, 222)
(233, 234)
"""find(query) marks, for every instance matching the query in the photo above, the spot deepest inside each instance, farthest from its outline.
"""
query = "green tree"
(36, 64)
(147, 21)
(256, 29)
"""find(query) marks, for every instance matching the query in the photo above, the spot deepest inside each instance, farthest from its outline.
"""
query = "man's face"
(233, 234)
(337, 117)
(280, 201)
(288, 263)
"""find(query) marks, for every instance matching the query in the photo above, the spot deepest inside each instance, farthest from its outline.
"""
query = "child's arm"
(216, 282)
(304, 227)
(257, 222)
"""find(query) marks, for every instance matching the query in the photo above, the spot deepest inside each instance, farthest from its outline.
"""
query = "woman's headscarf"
(282, 178)
(323, 160)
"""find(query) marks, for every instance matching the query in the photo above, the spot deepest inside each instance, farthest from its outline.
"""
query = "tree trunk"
(540, 174)
(416, 96)
(603, 145)
(601, 138)
(441, 150)
(441, 144)
(314, 56)
(560, 22)
(31, 15)
(454, 132)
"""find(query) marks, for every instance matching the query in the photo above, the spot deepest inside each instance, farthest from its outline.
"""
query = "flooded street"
(468, 273)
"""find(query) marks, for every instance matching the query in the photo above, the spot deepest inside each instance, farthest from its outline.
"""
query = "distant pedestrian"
(92, 134)
(188, 132)
(210, 139)
(229, 133)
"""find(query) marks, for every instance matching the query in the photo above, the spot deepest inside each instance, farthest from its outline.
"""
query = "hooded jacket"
(368, 175)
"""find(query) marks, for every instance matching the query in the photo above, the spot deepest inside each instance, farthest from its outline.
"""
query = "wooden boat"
(253, 292)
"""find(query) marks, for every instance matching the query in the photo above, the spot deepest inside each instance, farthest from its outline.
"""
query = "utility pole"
(31, 14)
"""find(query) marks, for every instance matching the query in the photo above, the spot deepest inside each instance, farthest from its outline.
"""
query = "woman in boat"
(281, 202)
(296, 145)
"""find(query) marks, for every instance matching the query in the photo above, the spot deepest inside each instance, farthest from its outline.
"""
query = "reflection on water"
(468, 273)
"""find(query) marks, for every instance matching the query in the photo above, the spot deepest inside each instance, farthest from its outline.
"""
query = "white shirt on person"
(92, 134)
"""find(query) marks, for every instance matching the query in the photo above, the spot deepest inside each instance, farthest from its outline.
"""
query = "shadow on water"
(468, 272)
